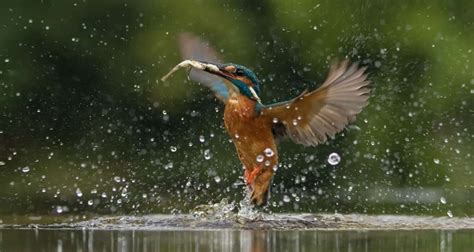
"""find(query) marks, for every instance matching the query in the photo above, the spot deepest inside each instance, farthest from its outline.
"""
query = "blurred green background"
(86, 127)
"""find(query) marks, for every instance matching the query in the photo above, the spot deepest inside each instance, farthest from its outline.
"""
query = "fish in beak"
(223, 70)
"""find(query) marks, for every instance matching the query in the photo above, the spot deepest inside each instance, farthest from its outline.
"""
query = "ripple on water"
(228, 219)
(243, 215)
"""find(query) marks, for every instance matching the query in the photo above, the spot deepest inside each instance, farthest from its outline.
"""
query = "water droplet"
(286, 199)
(260, 158)
(267, 163)
(217, 179)
(334, 159)
(25, 169)
(90, 202)
(354, 127)
(124, 192)
(78, 192)
(59, 209)
(207, 154)
(442, 200)
(436, 161)
(450, 214)
(268, 152)
(2, 163)
(275, 120)
(173, 148)
(194, 113)
(202, 139)
(117, 179)
(295, 122)
(7, 60)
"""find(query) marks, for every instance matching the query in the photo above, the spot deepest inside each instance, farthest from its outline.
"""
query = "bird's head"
(242, 78)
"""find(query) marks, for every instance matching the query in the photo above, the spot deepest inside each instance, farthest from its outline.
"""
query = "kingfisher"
(255, 128)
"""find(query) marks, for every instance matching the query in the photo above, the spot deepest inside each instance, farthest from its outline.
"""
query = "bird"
(255, 129)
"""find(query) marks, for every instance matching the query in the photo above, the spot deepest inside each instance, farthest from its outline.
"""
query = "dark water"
(234, 240)
(237, 232)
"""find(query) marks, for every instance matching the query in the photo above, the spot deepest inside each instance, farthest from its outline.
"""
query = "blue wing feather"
(219, 89)
(192, 47)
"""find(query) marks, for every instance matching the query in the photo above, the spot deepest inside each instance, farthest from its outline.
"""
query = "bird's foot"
(251, 175)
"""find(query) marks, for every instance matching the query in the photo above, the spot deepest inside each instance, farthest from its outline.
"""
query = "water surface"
(233, 232)
(234, 240)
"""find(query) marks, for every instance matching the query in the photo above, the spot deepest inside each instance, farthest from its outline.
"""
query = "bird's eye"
(239, 72)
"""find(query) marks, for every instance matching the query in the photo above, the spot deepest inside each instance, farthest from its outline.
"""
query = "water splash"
(240, 212)
(247, 210)
(221, 210)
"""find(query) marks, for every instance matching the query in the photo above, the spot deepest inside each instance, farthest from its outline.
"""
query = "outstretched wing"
(192, 47)
(312, 117)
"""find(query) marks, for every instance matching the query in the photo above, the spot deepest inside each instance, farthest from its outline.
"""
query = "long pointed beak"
(219, 69)
(212, 68)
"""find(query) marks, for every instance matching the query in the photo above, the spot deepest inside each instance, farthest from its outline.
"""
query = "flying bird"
(308, 119)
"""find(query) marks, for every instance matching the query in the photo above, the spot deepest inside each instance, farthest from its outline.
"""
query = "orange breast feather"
(251, 134)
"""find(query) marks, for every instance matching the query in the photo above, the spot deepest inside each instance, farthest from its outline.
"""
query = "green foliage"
(81, 105)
